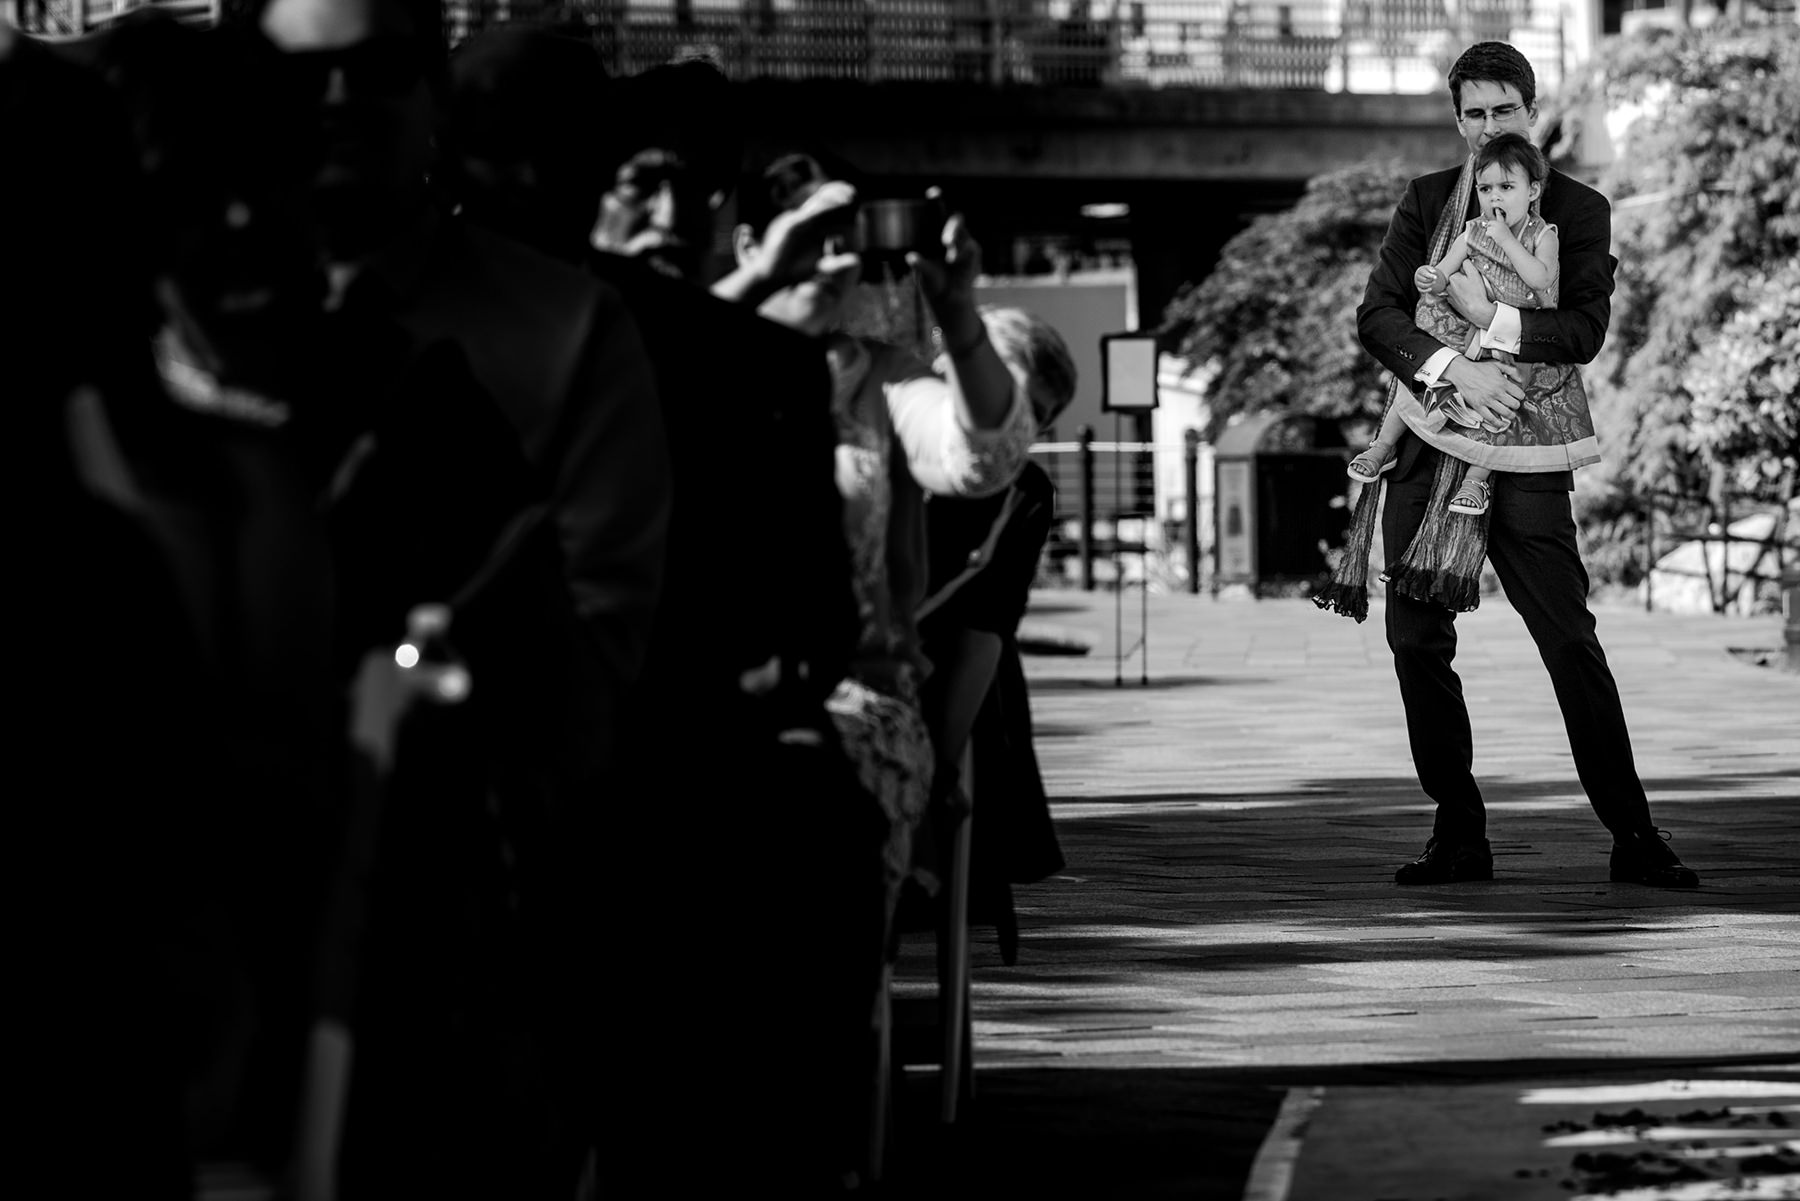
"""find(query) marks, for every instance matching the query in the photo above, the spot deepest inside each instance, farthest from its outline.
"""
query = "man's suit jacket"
(565, 366)
(1570, 333)
(757, 564)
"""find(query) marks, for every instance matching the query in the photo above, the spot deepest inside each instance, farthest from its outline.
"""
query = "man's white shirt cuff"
(1434, 366)
(1504, 331)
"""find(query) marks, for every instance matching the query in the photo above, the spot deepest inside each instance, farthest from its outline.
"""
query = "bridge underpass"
(1193, 167)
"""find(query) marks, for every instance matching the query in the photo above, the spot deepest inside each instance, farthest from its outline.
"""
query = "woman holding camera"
(902, 431)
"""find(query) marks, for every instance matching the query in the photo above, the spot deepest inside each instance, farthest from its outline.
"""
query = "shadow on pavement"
(1176, 1132)
(1133, 683)
(1498, 790)
(1082, 1133)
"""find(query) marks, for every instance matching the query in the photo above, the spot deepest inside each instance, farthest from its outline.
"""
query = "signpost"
(1128, 385)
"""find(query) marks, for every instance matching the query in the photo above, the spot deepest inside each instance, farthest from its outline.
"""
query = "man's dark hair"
(685, 109)
(1493, 62)
(520, 93)
(1513, 150)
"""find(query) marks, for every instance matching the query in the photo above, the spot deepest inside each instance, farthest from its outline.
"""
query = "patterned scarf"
(1450, 223)
(1348, 591)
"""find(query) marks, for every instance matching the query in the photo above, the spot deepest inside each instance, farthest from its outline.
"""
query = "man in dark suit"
(1531, 540)
(757, 516)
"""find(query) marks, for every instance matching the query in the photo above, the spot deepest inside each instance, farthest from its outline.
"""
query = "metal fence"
(1380, 46)
(1729, 554)
(1128, 513)
(68, 18)
(1340, 45)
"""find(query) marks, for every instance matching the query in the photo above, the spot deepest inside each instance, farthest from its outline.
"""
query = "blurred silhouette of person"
(216, 471)
(739, 439)
(109, 736)
(675, 161)
(902, 431)
(526, 124)
(250, 463)
(477, 1055)
(755, 622)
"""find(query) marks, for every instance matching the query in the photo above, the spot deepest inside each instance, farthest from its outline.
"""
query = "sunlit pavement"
(1224, 994)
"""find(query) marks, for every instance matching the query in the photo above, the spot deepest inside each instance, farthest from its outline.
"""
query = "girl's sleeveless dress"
(1553, 429)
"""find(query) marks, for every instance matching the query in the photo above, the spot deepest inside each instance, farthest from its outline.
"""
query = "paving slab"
(1233, 797)
(1714, 1135)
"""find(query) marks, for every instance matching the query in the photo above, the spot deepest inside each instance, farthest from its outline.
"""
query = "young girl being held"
(1515, 253)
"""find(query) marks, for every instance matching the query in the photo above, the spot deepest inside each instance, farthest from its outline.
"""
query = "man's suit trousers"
(1532, 545)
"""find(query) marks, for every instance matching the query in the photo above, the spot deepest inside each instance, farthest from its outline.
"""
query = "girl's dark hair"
(1493, 62)
(1513, 150)
(785, 184)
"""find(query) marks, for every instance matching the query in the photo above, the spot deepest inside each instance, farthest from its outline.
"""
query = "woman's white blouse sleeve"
(945, 458)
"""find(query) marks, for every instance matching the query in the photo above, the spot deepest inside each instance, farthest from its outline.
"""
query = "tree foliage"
(1278, 314)
(1694, 388)
(1746, 387)
(1696, 392)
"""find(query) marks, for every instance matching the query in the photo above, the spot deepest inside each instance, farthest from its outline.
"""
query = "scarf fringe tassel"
(1348, 591)
(1442, 566)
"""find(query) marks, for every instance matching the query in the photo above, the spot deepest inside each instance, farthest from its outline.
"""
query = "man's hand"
(797, 241)
(798, 245)
(1489, 387)
(1469, 296)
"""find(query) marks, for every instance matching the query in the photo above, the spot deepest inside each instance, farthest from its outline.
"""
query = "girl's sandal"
(1371, 464)
(1471, 498)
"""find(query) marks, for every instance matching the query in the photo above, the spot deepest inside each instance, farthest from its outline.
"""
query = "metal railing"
(1340, 45)
(1750, 581)
(70, 18)
(1378, 46)
(1127, 513)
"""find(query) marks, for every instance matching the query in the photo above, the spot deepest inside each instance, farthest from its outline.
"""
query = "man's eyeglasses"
(386, 67)
(1500, 112)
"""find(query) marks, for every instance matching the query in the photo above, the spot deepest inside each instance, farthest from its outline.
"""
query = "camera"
(886, 230)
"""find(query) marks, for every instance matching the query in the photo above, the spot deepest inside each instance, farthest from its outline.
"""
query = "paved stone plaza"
(1226, 959)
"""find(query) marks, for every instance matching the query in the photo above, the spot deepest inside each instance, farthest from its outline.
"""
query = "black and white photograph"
(917, 599)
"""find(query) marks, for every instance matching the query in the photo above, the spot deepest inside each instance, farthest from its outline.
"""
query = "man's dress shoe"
(1446, 862)
(1645, 858)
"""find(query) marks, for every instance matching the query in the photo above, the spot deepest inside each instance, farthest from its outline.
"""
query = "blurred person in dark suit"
(755, 622)
(743, 441)
(269, 457)
(527, 124)
(557, 351)
(514, 785)
(106, 737)
(671, 167)
(209, 460)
